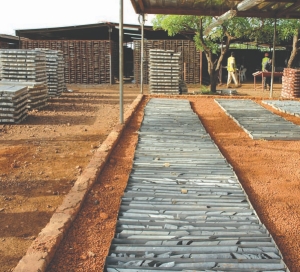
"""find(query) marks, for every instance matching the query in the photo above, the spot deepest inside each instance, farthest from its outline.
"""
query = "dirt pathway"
(41, 158)
(269, 172)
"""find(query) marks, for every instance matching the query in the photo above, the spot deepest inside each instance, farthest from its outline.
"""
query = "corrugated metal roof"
(99, 31)
(266, 9)
(9, 37)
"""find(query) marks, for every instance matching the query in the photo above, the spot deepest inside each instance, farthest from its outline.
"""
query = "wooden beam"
(142, 6)
(135, 7)
(291, 8)
(181, 11)
(177, 7)
(204, 12)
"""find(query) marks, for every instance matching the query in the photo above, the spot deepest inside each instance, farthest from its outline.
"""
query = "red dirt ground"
(43, 157)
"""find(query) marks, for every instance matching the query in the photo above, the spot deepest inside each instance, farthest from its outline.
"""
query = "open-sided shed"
(8, 41)
(223, 9)
(289, 9)
(91, 51)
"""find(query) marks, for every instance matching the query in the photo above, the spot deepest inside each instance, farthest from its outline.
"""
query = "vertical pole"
(273, 60)
(121, 58)
(142, 51)
(184, 71)
(110, 56)
(200, 68)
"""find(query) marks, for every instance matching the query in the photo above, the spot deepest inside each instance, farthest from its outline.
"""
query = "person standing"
(242, 73)
(231, 68)
(264, 61)
(267, 68)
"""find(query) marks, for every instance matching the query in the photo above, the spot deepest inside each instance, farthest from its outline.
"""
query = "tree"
(288, 30)
(228, 31)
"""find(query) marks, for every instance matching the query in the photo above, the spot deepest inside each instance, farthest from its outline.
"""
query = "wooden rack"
(86, 61)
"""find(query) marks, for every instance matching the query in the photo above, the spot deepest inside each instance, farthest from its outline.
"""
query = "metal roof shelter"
(277, 9)
(288, 9)
(9, 39)
(99, 31)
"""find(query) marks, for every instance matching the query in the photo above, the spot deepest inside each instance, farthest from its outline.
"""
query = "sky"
(31, 14)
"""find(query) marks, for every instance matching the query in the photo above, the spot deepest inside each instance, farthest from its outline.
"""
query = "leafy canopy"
(235, 28)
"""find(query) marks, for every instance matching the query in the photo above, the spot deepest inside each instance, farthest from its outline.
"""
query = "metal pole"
(184, 71)
(110, 56)
(201, 68)
(121, 60)
(142, 51)
(273, 60)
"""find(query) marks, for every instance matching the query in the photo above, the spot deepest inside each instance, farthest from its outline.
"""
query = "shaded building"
(91, 52)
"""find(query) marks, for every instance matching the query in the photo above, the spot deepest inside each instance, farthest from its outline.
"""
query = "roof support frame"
(270, 8)
(121, 60)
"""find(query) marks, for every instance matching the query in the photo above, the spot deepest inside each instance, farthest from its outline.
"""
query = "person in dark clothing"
(267, 68)
(263, 64)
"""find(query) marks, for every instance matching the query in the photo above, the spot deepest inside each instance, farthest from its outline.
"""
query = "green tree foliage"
(288, 30)
(228, 31)
(246, 29)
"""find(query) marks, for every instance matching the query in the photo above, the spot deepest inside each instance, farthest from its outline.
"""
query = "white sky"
(31, 14)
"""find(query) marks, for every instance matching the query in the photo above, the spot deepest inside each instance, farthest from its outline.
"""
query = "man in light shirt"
(231, 68)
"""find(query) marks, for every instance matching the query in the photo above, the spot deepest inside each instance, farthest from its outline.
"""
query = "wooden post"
(200, 68)
(273, 60)
(121, 61)
(184, 71)
(110, 56)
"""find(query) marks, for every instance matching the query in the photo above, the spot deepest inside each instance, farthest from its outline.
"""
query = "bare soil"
(41, 158)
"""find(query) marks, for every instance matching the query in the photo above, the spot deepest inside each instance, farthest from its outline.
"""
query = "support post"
(110, 56)
(121, 61)
(201, 68)
(142, 22)
(273, 60)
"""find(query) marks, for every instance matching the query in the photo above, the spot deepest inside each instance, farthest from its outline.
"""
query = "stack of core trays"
(13, 103)
(55, 71)
(26, 67)
(164, 71)
(290, 83)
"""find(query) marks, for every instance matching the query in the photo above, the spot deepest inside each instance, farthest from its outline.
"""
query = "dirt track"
(31, 188)
(42, 157)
